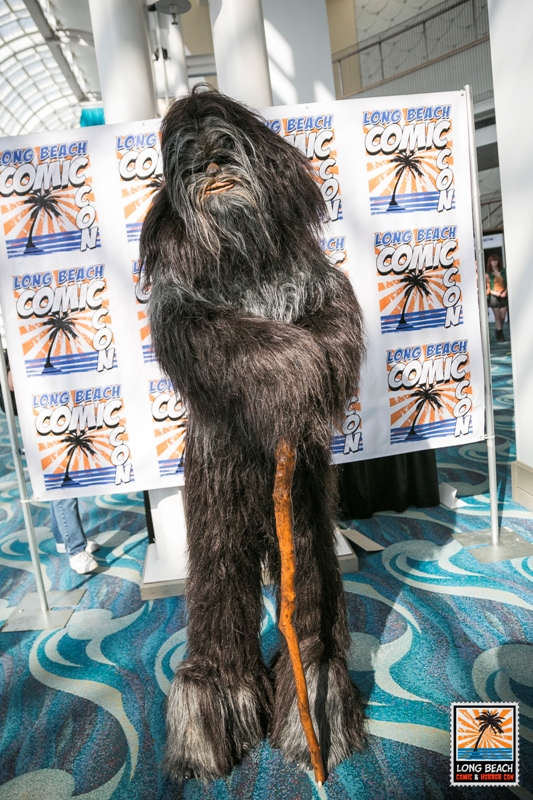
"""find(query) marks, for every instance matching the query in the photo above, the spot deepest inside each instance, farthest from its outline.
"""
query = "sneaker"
(92, 547)
(83, 562)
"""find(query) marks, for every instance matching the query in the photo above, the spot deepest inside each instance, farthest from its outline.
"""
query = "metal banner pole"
(21, 481)
(483, 315)
(500, 544)
(26, 616)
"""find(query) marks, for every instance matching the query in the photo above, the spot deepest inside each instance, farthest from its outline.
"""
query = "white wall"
(298, 50)
(511, 37)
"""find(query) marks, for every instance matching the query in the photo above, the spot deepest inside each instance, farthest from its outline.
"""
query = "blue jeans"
(66, 525)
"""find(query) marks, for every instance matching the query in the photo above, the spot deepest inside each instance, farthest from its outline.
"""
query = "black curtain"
(388, 484)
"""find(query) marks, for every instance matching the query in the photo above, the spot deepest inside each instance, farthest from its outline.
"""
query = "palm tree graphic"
(428, 395)
(76, 440)
(407, 162)
(58, 322)
(486, 720)
(40, 201)
(414, 282)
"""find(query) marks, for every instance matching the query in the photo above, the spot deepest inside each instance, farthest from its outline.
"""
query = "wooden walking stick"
(285, 461)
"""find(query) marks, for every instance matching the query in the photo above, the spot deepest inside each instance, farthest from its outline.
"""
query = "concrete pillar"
(511, 24)
(176, 66)
(240, 51)
(299, 51)
(126, 79)
(123, 59)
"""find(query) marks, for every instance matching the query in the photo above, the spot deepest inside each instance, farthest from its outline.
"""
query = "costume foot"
(335, 707)
(214, 720)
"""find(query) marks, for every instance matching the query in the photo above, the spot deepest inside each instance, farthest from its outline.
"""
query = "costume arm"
(265, 376)
(336, 324)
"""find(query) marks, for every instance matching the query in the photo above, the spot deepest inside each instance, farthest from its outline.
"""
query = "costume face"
(213, 178)
(241, 194)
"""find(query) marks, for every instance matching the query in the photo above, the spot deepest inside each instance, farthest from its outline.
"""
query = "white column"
(123, 58)
(126, 78)
(511, 23)
(240, 51)
(176, 66)
(299, 51)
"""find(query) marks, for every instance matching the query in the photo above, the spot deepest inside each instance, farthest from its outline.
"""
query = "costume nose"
(212, 169)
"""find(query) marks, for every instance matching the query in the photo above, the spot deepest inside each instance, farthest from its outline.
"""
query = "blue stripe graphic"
(49, 243)
(171, 466)
(133, 231)
(485, 754)
(83, 477)
(416, 320)
(75, 362)
(148, 353)
(337, 445)
(427, 431)
(418, 201)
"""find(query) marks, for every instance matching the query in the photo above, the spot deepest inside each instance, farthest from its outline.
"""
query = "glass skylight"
(34, 93)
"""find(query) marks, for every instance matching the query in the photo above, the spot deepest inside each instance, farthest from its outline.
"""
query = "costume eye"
(226, 143)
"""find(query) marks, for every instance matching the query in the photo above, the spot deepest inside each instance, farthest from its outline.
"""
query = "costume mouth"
(217, 187)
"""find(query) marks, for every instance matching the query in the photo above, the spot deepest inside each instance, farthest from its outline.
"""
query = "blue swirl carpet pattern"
(82, 708)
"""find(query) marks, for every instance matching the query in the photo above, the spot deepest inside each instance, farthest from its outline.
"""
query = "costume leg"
(321, 626)
(66, 525)
(221, 696)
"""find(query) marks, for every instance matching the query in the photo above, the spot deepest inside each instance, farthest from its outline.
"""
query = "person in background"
(70, 537)
(65, 521)
(496, 282)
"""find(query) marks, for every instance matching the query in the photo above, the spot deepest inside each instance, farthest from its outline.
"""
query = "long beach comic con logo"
(314, 136)
(140, 169)
(47, 201)
(350, 437)
(409, 159)
(430, 392)
(170, 424)
(82, 437)
(64, 321)
(141, 300)
(419, 280)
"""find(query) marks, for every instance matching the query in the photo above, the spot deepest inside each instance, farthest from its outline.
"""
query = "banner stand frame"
(490, 544)
(30, 615)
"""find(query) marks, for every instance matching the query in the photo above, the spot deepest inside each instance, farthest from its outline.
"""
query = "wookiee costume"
(262, 338)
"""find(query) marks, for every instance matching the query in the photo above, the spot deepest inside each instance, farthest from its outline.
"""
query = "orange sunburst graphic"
(418, 289)
(140, 171)
(48, 204)
(315, 138)
(82, 442)
(483, 728)
(404, 407)
(383, 175)
(431, 404)
(65, 324)
(409, 160)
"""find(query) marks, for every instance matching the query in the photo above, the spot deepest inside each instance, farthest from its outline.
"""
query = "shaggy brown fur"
(262, 338)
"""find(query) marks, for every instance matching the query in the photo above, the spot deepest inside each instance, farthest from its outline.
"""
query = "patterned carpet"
(82, 708)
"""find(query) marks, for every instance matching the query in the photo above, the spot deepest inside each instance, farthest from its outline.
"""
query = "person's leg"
(53, 524)
(220, 698)
(66, 517)
(499, 316)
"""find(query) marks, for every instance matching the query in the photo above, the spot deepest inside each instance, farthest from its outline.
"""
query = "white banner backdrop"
(97, 415)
